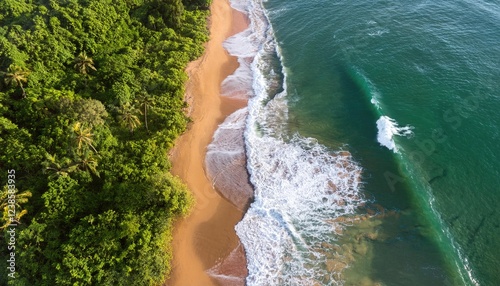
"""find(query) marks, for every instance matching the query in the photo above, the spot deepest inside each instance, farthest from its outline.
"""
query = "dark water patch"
(407, 238)
(478, 228)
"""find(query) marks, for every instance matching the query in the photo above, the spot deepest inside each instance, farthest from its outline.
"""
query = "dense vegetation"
(91, 99)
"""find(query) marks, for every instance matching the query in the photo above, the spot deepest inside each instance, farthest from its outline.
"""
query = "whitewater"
(302, 189)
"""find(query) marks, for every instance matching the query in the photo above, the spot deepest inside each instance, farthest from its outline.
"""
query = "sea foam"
(244, 45)
(300, 186)
(387, 129)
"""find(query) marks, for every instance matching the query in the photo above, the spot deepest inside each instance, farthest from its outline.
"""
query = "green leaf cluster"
(91, 100)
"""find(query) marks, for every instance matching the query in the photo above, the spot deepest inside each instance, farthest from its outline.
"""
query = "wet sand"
(206, 237)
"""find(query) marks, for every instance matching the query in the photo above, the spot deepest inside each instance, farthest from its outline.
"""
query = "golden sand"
(205, 238)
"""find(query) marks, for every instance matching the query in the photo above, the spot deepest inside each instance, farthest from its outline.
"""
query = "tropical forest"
(91, 102)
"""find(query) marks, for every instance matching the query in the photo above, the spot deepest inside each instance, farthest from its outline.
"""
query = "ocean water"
(372, 141)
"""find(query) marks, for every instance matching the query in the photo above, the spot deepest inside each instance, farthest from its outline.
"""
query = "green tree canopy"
(16, 76)
(83, 63)
(103, 201)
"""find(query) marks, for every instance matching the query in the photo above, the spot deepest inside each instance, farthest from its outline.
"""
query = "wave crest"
(388, 128)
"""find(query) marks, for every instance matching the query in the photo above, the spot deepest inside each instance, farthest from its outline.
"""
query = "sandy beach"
(204, 239)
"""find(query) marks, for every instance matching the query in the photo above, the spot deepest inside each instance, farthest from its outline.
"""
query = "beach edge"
(207, 236)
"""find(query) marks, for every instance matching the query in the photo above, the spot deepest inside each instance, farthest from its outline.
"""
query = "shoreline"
(205, 238)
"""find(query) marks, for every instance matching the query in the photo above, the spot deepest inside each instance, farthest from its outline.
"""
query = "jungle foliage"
(91, 100)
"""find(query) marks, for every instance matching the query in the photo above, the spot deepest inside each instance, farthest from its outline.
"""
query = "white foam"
(300, 185)
(387, 129)
(241, 5)
(378, 33)
(375, 94)
(239, 84)
(375, 99)
(244, 45)
(299, 188)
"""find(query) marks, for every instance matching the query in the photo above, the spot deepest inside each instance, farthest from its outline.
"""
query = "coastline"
(204, 239)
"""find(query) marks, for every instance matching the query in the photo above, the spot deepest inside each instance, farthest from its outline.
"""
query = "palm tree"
(145, 102)
(128, 118)
(9, 217)
(56, 168)
(83, 62)
(15, 76)
(83, 136)
(88, 163)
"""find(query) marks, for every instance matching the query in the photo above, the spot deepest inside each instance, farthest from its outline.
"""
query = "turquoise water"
(433, 66)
